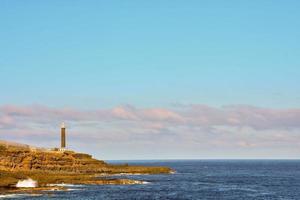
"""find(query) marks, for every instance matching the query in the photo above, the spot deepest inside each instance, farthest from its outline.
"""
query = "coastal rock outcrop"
(15, 157)
(25, 160)
(19, 162)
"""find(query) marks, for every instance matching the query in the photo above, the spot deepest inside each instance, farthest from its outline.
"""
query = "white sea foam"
(121, 174)
(14, 196)
(9, 196)
(28, 183)
(73, 189)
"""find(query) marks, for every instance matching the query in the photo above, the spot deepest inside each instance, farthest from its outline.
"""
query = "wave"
(13, 196)
(28, 183)
(74, 189)
(121, 174)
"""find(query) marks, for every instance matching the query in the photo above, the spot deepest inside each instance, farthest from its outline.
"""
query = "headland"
(53, 167)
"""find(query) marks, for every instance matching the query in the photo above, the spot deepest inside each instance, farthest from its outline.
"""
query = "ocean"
(197, 179)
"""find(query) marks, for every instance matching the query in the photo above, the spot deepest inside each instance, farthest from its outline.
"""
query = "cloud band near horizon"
(190, 127)
(183, 115)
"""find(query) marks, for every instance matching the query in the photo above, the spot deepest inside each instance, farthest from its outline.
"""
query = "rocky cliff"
(49, 161)
(16, 157)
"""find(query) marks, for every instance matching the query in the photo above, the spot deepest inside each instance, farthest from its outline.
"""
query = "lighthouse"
(63, 137)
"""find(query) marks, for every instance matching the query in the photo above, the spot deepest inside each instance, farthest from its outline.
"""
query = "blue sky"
(89, 55)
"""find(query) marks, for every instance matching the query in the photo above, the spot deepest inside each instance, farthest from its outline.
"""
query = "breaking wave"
(29, 183)
(14, 196)
(64, 185)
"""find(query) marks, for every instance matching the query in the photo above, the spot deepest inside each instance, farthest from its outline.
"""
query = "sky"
(153, 79)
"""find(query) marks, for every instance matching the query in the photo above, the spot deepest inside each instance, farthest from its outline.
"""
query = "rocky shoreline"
(64, 186)
(46, 167)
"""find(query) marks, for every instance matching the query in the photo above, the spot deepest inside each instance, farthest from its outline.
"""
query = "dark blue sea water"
(200, 179)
